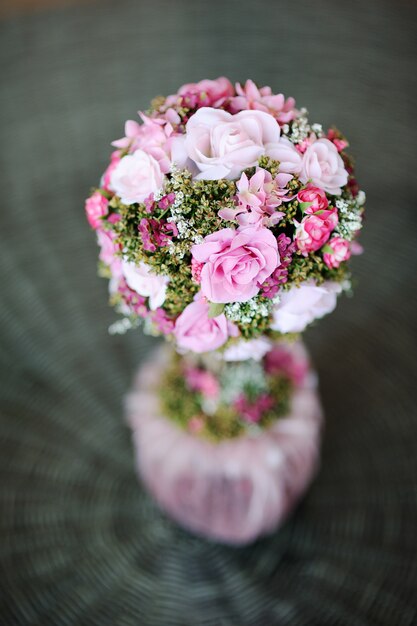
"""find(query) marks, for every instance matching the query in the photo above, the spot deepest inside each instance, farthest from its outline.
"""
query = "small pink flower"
(196, 268)
(251, 193)
(132, 301)
(280, 360)
(96, 207)
(204, 93)
(253, 411)
(302, 146)
(152, 136)
(336, 251)
(257, 199)
(166, 201)
(202, 381)
(324, 166)
(315, 197)
(356, 248)
(105, 179)
(340, 143)
(195, 330)
(262, 99)
(314, 230)
(236, 263)
(286, 249)
(163, 323)
(109, 251)
(156, 233)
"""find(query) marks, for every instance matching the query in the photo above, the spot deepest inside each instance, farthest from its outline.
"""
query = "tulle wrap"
(232, 491)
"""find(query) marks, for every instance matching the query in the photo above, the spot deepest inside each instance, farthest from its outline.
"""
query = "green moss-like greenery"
(181, 405)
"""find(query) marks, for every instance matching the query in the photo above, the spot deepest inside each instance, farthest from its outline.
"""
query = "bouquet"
(226, 221)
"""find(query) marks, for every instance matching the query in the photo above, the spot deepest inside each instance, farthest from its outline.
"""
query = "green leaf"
(215, 309)
(304, 206)
(327, 248)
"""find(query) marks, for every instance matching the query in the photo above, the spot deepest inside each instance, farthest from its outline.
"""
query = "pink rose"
(136, 176)
(236, 263)
(299, 306)
(146, 283)
(195, 330)
(314, 230)
(336, 251)
(262, 99)
(324, 166)
(315, 197)
(221, 145)
(96, 207)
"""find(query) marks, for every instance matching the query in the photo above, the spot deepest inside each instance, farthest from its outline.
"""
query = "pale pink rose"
(141, 279)
(96, 207)
(220, 145)
(299, 306)
(109, 251)
(136, 176)
(236, 263)
(290, 160)
(105, 179)
(314, 230)
(262, 99)
(336, 251)
(248, 349)
(315, 197)
(195, 330)
(324, 166)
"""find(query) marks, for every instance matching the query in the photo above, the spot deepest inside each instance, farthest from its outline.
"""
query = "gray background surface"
(80, 542)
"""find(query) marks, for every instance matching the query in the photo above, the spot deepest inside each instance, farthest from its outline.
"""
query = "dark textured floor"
(80, 542)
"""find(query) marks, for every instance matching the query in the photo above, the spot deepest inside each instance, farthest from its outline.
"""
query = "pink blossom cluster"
(277, 216)
(253, 411)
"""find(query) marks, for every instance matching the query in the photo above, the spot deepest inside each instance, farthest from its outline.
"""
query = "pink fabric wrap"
(236, 490)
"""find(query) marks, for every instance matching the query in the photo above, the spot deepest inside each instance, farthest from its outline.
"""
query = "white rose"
(299, 306)
(221, 145)
(252, 349)
(323, 165)
(141, 279)
(136, 176)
